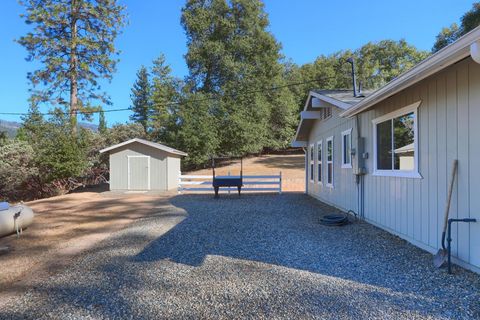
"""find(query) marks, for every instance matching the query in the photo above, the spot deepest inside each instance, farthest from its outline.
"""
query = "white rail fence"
(251, 183)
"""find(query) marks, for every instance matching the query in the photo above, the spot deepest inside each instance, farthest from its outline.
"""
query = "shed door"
(138, 173)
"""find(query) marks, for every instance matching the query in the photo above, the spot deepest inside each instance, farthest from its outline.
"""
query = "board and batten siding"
(448, 129)
(343, 194)
(160, 172)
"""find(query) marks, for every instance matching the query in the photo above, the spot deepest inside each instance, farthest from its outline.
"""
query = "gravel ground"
(258, 256)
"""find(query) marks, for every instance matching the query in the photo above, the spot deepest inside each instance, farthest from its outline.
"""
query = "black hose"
(334, 219)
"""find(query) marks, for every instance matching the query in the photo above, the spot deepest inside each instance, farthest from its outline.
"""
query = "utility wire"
(233, 95)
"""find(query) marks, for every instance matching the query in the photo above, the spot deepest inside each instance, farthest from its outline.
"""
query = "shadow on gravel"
(284, 230)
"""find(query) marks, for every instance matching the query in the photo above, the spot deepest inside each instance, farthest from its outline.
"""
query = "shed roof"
(147, 143)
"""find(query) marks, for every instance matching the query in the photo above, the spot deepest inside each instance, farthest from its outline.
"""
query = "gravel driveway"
(258, 256)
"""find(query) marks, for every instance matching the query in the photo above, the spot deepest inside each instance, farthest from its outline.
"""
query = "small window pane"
(329, 173)
(311, 153)
(319, 152)
(311, 172)
(346, 149)
(384, 145)
(319, 173)
(329, 150)
(403, 139)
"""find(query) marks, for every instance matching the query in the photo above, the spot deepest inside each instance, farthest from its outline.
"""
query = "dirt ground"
(291, 166)
(67, 225)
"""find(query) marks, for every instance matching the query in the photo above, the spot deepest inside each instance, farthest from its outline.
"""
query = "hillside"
(11, 127)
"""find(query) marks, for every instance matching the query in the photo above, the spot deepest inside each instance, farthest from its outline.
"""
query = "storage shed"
(138, 164)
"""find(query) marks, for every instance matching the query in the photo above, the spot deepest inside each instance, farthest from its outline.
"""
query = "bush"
(19, 175)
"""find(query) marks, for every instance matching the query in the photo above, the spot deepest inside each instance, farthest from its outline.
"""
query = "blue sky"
(306, 29)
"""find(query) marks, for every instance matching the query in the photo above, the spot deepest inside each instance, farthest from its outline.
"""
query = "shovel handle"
(449, 198)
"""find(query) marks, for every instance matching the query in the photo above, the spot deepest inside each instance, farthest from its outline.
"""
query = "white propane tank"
(14, 219)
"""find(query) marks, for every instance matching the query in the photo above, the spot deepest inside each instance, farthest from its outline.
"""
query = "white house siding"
(119, 166)
(448, 129)
(343, 195)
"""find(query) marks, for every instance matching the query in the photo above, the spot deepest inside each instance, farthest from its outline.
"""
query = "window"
(319, 161)
(347, 148)
(396, 143)
(312, 176)
(330, 162)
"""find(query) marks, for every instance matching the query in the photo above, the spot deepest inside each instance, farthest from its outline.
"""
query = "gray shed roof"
(148, 143)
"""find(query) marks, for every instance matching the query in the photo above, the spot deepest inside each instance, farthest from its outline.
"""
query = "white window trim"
(320, 162)
(398, 173)
(345, 133)
(330, 185)
(311, 161)
(128, 170)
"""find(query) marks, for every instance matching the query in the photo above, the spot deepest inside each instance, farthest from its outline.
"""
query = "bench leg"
(239, 189)
(216, 192)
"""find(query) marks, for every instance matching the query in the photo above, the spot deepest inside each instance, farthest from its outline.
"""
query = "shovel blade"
(440, 258)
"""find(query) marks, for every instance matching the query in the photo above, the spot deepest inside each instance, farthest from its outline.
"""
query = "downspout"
(359, 174)
(306, 167)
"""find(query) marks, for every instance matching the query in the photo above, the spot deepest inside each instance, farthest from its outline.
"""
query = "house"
(387, 155)
(139, 164)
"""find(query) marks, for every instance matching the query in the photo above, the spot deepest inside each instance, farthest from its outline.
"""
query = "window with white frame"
(347, 148)
(396, 143)
(329, 152)
(312, 164)
(319, 161)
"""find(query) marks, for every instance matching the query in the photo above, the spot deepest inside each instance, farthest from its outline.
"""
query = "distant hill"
(11, 127)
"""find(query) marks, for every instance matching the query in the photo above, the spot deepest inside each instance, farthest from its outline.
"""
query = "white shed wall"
(162, 176)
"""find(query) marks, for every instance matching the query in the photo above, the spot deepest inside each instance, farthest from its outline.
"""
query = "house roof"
(147, 143)
(344, 95)
(340, 98)
(445, 57)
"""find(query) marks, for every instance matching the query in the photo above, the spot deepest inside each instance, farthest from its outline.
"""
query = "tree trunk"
(73, 69)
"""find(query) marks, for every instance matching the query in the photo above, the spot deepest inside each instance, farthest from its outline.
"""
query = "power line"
(233, 95)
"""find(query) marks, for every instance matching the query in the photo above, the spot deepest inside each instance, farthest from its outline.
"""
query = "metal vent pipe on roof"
(354, 80)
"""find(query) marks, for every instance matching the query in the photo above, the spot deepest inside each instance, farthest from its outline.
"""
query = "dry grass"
(291, 166)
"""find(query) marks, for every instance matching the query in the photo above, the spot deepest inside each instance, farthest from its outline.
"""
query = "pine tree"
(141, 99)
(74, 41)
(102, 123)
(165, 96)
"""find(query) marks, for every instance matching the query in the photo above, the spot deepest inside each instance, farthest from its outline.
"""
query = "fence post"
(179, 189)
(280, 187)
(229, 186)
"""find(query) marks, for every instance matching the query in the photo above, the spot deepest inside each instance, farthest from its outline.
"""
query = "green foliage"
(3, 138)
(59, 155)
(166, 92)
(232, 57)
(74, 42)
(123, 132)
(469, 21)
(447, 36)
(198, 133)
(376, 64)
(102, 123)
(18, 171)
(141, 99)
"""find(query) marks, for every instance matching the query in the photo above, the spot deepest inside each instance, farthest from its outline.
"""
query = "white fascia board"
(299, 144)
(312, 115)
(332, 101)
